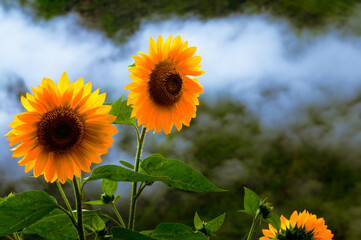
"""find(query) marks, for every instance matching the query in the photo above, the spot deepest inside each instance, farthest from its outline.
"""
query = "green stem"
(107, 216)
(140, 190)
(137, 130)
(79, 209)
(252, 227)
(71, 216)
(64, 198)
(82, 185)
(16, 236)
(134, 197)
(118, 215)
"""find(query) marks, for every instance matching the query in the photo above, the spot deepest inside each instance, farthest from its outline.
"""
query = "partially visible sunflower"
(162, 93)
(301, 226)
(65, 129)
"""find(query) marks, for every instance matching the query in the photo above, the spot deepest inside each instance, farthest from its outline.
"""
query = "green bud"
(265, 209)
(107, 199)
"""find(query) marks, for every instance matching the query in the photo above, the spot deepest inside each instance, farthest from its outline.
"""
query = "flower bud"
(107, 199)
(265, 209)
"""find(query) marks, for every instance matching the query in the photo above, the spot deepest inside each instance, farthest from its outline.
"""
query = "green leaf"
(172, 172)
(198, 224)
(126, 234)
(69, 181)
(126, 164)
(147, 232)
(132, 65)
(215, 224)
(57, 225)
(176, 231)
(177, 174)
(116, 199)
(89, 228)
(243, 211)
(109, 187)
(95, 202)
(23, 209)
(117, 174)
(122, 111)
(98, 223)
(274, 220)
(251, 202)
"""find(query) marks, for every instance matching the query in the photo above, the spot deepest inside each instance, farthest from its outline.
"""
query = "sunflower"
(162, 93)
(302, 226)
(65, 129)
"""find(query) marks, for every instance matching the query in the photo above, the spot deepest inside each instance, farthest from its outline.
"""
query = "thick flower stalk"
(65, 129)
(162, 93)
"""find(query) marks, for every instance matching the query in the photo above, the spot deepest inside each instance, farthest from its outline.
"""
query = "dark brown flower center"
(60, 129)
(165, 84)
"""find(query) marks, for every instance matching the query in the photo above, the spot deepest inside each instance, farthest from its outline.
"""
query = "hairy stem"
(79, 209)
(118, 215)
(134, 196)
(254, 222)
(64, 198)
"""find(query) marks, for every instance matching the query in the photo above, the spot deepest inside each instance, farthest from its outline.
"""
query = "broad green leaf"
(274, 220)
(98, 223)
(95, 202)
(126, 234)
(131, 65)
(251, 202)
(6, 198)
(198, 224)
(24, 209)
(177, 174)
(118, 174)
(176, 231)
(215, 224)
(126, 164)
(122, 111)
(57, 225)
(109, 187)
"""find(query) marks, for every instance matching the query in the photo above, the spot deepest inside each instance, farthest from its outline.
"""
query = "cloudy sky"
(259, 61)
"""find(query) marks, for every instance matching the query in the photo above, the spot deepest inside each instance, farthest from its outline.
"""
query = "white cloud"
(261, 62)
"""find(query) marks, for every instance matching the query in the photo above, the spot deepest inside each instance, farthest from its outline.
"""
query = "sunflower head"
(162, 93)
(65, 129)
(301, 226)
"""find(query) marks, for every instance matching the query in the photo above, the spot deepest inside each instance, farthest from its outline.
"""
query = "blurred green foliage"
(121, 18)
